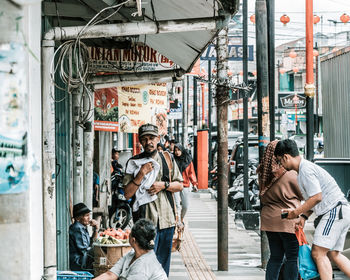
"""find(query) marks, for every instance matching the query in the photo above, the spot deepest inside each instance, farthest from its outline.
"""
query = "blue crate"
(79, 275)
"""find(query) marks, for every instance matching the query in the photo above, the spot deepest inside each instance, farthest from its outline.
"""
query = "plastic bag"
(307, 266)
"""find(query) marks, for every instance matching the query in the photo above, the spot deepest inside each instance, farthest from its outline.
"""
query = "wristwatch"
(166, 184)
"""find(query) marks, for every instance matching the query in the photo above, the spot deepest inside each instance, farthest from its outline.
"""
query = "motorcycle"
(213, 178)
(236, 192)
(120, 212)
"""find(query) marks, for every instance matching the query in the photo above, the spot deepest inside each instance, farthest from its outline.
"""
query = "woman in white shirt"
(140, 263)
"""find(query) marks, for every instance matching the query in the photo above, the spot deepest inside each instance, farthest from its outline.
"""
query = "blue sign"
(235, 53)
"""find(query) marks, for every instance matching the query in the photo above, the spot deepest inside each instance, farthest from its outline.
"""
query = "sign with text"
(138, 58)
(235, 52)
(106, 109)
(142, 104)
(175, 111)
(237, 110)
(291, 100)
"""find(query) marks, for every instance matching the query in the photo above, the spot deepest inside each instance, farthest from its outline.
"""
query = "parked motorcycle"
(236, 192)
(213, 178)
(120, 212)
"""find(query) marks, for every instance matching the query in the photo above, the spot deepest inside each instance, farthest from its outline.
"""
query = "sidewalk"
(244, 245)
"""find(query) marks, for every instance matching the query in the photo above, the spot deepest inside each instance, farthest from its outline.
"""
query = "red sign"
(106, 109)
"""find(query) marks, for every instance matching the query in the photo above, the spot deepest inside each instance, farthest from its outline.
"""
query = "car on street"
(232, 137)
(236, 156)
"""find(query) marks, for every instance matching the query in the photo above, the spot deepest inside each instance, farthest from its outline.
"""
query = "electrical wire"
(73, 65)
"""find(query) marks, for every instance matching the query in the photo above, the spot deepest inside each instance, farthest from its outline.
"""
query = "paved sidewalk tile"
(244, 245)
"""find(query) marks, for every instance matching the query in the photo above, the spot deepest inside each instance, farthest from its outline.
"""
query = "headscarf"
(161, 145)
(184, 160)
(269, 171)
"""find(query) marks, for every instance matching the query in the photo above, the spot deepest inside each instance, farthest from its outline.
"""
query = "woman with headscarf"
(279, 190)
(184, 162)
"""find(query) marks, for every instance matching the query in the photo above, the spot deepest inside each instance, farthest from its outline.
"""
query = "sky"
(295, 9)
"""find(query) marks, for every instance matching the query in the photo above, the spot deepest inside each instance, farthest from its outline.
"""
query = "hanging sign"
(290, 100)
(138, 58)
(175, 111)
(14, 119)
(142, 104)
(235, 52)
(106, 109)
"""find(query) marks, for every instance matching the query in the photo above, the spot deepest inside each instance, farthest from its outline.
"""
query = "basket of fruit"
(110, 246)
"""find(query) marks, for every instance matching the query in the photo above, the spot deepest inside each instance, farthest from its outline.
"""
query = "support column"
(195, 127)
(49, 162)
(222, 95)
(78, 141)
(88, 149)
(263, 93)
(184, 111)
(209, 115)
(309, 86)
(245, 105)
(271, 50)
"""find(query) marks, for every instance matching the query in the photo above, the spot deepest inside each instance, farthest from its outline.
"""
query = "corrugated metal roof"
(183, 48)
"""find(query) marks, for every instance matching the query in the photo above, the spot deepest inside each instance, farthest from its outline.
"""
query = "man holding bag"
(323, 196)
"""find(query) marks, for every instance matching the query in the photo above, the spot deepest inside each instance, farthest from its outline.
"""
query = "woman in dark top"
(184, 162)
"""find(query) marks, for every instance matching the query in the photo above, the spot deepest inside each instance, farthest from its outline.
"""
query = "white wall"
(21, 214)
(32, 19)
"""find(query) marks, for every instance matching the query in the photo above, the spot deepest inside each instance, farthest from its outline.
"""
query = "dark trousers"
(162, 247)
(284, 248)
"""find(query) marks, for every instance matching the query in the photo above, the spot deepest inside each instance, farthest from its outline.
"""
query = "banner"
(106, 109)
(175, 111)
(137, 58)
(142, 104)
(14, 114)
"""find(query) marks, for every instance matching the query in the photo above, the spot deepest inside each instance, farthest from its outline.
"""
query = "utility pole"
(195, 122)
(222, 97)
(262, 93)
(271, 44)
(245, 105)
(209, 115)
(309, 86)
(184, 111)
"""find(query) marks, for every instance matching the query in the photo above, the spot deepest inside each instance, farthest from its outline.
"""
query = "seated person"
(141, 262)
(80, 253)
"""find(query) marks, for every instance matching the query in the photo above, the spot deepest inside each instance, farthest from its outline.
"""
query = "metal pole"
(78, 190)
(209, 116)
(271, 44)
(49, 164)
(309, 86)
(133, 28)
(88, 149)
(245, 105)
(317, 130)
(203, 104)
(222, 96)
(184, 112)
(195, 123)
(262, 93)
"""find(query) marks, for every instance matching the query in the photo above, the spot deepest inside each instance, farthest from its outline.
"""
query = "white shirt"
(145, 267)
(142, 196)
(312, 180)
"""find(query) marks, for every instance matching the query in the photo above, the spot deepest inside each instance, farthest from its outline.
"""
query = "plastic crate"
(70, 275)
